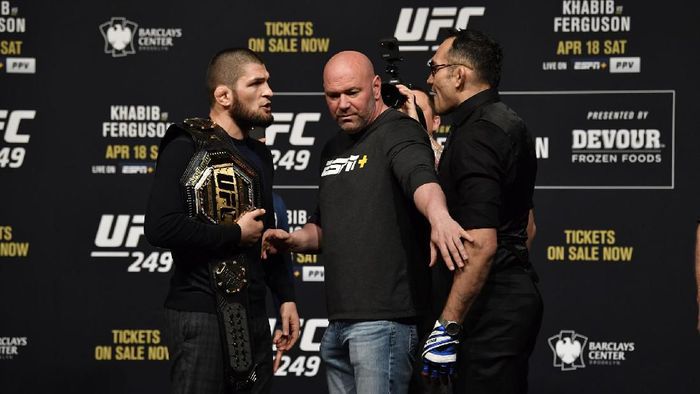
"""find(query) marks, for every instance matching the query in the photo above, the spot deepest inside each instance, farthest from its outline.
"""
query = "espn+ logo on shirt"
(343, 164)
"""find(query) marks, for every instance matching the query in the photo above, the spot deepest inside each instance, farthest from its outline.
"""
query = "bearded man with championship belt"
(210, 202)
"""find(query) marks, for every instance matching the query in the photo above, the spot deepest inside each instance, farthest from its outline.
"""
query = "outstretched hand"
(275, 241)
(446, 236)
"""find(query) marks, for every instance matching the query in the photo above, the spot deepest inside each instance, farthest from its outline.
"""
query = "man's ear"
(223, 95)
(436, 122)
(377, 88)
(462, 78)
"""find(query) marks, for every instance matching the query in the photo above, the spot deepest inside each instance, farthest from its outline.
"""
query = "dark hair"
(479, 51)
(227, 66)
(431, 99)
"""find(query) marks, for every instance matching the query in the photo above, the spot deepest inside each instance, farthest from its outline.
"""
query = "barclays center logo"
(124, 37)
(567, 348)
(119, 34)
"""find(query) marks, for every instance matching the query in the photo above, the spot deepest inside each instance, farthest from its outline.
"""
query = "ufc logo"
(286, 122)
(11, 127)
(126, 230)
(308, 333)
(426, 24)
(226, 197)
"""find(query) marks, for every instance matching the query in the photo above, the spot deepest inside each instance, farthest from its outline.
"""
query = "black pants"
(197, 355)
(499, 335)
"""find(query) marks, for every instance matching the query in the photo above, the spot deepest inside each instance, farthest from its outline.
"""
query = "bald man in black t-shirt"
(378, 186)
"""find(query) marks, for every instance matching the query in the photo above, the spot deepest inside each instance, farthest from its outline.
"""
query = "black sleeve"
(477, 166)
(279, 279)
(315, 217)
(531, 165)
(277, 275)
(167, 224)
(283, 224)
(411, 158)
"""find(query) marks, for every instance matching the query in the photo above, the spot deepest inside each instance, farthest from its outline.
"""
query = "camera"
(389, 50)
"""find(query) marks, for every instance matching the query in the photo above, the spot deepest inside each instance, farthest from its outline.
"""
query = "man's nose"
(344, 102)
(267, 91)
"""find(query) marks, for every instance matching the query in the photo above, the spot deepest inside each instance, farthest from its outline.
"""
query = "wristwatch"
(452, 328)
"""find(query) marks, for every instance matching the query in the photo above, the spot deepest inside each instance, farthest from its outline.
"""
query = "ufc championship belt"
(220, 187)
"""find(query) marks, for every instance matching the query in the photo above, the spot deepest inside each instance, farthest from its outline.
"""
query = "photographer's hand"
(409, 107)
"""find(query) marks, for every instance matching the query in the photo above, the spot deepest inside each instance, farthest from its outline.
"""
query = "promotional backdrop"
(608, 88)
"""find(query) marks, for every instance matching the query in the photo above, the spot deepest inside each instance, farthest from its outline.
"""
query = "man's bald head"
(353, 90)
(349, 62)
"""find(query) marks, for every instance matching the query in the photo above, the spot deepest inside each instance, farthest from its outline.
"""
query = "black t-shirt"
(194, 243)
(488, 170)
(375, 245)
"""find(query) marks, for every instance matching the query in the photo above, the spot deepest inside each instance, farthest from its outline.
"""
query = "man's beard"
(247, 119)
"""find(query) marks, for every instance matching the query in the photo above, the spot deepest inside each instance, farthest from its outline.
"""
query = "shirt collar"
(376, 122)
(468, 106)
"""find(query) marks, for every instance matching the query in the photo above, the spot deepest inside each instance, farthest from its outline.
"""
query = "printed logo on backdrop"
(10, 246)
(304, 360)
(568, 349)
(306, 267)
(313, 274)
(591, 246)
(289, 37)
(12, 48)
(123, 37)
(14, 126)
(131, 135)
(296, 158)
(572, 351)
(418, 29)
(592, 35)
(119, 34)
(119, 239)
(300, 129)
(601, 139)
(133, 345)
(11, 347)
